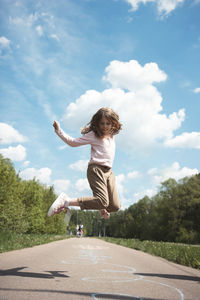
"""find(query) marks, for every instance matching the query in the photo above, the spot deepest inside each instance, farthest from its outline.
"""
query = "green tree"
(12, 209)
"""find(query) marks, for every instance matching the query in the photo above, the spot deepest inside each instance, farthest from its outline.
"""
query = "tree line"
(24, 204)
(173, 214)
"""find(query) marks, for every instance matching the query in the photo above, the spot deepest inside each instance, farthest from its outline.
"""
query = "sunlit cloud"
(61, 185)
(164, 7)
(26, 163)
(134, 175)
(4, 44)
(174, 171)
(82, 185)
(54, 36)
(17, 153)
(196, 90)
(43, 174)
(185, 140)
(39, 30)
(137, 101)
(141, 194)
(80, 165)
(9, 135)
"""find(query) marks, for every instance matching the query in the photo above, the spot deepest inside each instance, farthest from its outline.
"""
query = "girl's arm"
(74, 142)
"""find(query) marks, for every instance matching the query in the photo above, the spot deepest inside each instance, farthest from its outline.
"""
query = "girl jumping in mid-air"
(99, 133)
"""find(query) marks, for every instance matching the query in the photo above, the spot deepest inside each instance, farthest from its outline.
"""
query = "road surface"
(89, 268)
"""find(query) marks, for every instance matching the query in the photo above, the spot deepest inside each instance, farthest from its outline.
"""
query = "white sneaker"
(58, 204)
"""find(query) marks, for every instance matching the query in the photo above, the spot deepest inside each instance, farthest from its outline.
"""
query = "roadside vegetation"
(187, 255)
(13, 241)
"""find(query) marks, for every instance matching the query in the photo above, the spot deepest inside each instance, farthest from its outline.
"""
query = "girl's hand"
(56, 125)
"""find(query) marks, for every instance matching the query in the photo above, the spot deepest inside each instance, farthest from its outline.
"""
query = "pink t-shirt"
(102, 150)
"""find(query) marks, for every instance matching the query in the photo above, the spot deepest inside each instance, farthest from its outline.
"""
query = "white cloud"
(47, 109)
(62, 147)
(43, 174)
(55, 37)
(27, 29)
(132, 76)
(4, 43)
(80, 165)
(28, 20)
(9, 135)
(164, 7)
(120, 181)
(152, 171)
(16, 21)
(141, 194)
(134, 175)
(61, 185)
(26, 163)
(82, 185)
(197, 90)
(139, 105)
(167, 6)
(4, 46)
(39, 30)
(17, 153)
(173, 171)
(135, 3)
(88, 104)
(185, 140)
(160, 175)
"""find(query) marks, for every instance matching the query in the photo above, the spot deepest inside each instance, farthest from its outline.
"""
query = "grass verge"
(14, 241)
(187, 255)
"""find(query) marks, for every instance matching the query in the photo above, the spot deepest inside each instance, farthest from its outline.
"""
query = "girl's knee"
(103, 201)
(117, 208)
(114, 208)
(105, 204)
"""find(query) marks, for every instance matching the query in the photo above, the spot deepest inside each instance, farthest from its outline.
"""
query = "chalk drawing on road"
(169, 286)
(131, 278)
(87, 255)
(128, 269)
(90, 247)
(117, 296)
(123, 274)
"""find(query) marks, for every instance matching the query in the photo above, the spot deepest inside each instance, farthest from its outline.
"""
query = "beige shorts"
(102, 183)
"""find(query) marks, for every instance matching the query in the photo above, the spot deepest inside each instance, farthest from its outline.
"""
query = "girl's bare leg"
(74, 202)
(71, 202)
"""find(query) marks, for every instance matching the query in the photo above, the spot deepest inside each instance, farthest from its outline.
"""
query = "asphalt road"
(88, 268)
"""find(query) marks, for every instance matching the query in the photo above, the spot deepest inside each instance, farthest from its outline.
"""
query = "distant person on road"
(99, 133)
(79, 231)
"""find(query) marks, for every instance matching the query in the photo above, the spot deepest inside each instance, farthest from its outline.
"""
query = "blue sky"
(65, 59)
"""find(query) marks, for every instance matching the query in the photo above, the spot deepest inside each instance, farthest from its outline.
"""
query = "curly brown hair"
(107, 113)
